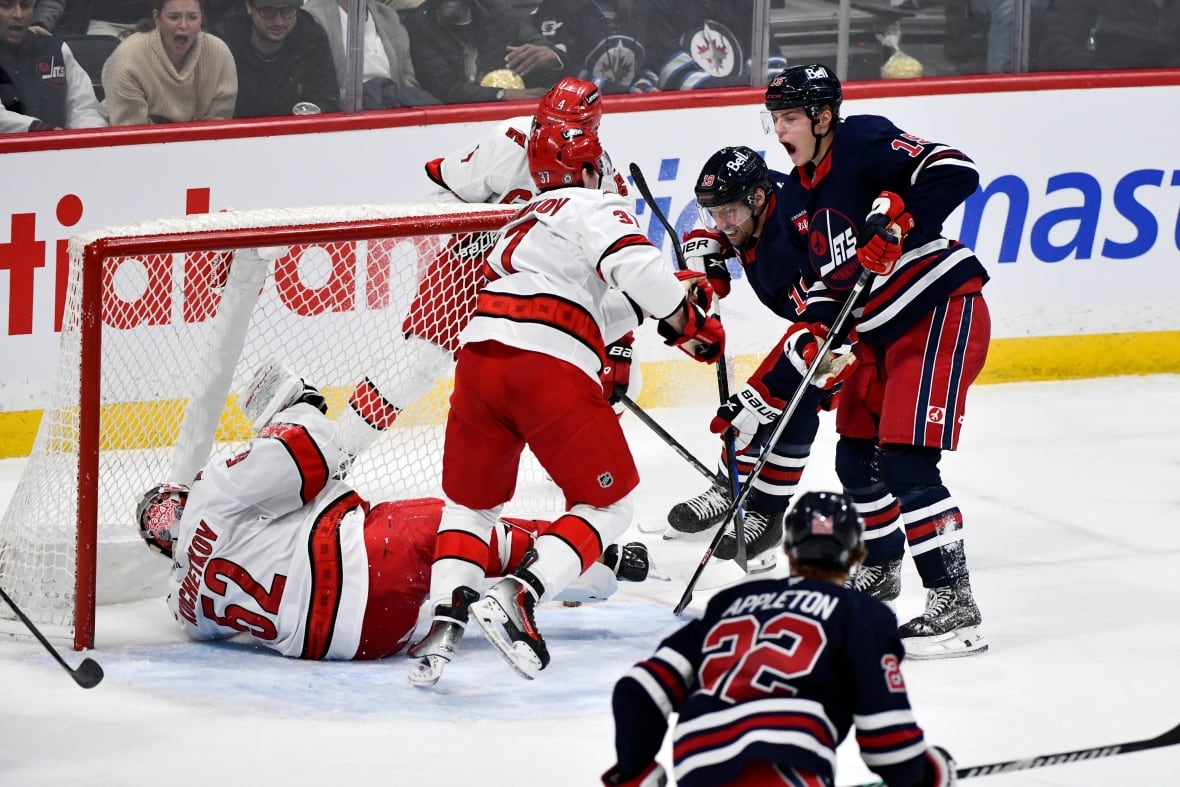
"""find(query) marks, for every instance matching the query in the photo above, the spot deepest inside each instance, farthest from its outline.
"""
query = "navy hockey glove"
(801, 344)
(651, 776)
(616, 373)
(879, 246)
(744, 414)
(702, 337)
(707, 251)
(940, 769)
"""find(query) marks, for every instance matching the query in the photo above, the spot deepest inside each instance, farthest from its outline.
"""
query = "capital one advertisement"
(1077, 226)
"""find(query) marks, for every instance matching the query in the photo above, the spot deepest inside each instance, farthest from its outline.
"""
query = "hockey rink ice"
(1070, 493)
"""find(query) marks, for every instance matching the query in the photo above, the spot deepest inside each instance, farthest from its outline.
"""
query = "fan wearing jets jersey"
(571, 272)
(272, 543)
(492, 169)
(866, 198)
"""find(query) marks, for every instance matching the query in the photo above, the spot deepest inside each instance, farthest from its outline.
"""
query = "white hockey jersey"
(571, 272)
(251, 528)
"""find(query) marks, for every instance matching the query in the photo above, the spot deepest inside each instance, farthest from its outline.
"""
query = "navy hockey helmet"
(823, 527)
(158, 515)
(731, 175)
(810, 87)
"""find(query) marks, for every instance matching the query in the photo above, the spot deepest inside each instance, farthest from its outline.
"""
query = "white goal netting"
(165, 321)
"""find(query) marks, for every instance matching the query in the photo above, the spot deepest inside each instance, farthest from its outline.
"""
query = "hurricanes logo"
(606, 480)
(935, 415)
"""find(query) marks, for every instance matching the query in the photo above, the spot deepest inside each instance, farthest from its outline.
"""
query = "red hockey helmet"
(571, 101)
(158, 515)
(558, 152)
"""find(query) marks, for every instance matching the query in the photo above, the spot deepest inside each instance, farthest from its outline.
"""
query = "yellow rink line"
(670, 383)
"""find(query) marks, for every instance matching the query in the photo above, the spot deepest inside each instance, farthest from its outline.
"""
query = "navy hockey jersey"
(776, 670)
(825, 208)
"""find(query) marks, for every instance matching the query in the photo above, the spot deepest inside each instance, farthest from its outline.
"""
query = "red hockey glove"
(744, 413)
(616, 373)
(879, 246)
(696, 288)
(707, 251)
(702, 337)
(940, 769)
(651, 776)
(800, 345)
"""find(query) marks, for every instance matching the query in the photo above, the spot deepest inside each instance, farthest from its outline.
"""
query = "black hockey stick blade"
(1169, 738)
(88, 674)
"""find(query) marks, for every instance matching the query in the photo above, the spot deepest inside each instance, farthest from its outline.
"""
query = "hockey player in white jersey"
(571, 272)
(492, 169)
(272, 543)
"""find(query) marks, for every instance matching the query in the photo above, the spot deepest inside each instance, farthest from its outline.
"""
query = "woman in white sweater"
(171, 73)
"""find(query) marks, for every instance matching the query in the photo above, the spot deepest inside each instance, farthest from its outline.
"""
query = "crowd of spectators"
(181, 60)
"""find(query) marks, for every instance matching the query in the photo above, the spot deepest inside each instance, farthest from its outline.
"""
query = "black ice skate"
(763, 534)
(882, 582)
(430, 654)
(699, 513)
(948, 628)
(505, 615)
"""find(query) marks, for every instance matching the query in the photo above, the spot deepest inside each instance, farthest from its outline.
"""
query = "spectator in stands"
(44, 88)
(153, 76)
(282, 59)
(388, 70)
(600, 41)
(456, 43)
(997, 19)
(1102, 34)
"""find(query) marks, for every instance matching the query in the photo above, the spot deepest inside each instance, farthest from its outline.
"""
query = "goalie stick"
(87, 675)
(1169, 738)
(739, 529)
(836, 332)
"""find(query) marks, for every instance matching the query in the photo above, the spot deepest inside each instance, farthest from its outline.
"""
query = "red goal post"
(163, 322)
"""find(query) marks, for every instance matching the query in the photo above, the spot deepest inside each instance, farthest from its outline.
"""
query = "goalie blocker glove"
(707, 252)
(878, 248)
(702, 337)
(651, 776)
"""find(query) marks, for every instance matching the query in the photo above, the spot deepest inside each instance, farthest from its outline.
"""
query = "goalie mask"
(571, 101)
(558, 153)
(158, 515)
(824, 528)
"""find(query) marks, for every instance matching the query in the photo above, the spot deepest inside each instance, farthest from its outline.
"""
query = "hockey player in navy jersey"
(769, 681)
(738, 201)
(865, 195)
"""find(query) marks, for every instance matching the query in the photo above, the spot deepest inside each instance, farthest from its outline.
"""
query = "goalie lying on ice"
(273, 544)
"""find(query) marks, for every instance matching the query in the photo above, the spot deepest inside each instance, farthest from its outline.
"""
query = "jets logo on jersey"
(831, 242)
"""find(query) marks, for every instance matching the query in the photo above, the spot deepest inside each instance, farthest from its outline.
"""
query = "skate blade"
(967, 641)
(426, 671)
(490, 619)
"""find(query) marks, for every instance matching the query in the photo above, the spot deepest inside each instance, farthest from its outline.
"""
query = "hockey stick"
(670, 441)
(836, 331)
(87, 675)
(1169, 738)
(739, 529)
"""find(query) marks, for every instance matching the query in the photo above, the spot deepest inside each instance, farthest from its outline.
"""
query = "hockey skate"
(948, 628)
(763, 533)
(434, 651)
(272, 389)
(505, 615)
(699, 513)
(882, 582)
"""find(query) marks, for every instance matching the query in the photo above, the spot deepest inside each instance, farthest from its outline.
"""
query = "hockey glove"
(707, 251)
(651, 776)
(697, 288)
(702, 337)
(879, 246)
(801, 344)
(744, 414)
(616, 373)
(940, 768)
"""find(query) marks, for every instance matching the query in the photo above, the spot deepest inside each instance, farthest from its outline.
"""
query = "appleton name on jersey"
(825, 210)
(566, 292)
(241, 558)
(776, 670)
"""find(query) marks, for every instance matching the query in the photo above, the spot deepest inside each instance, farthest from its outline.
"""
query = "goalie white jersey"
(576, 284)
(253, 527)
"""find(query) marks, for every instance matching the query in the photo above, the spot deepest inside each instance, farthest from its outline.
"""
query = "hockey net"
(164, 322)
